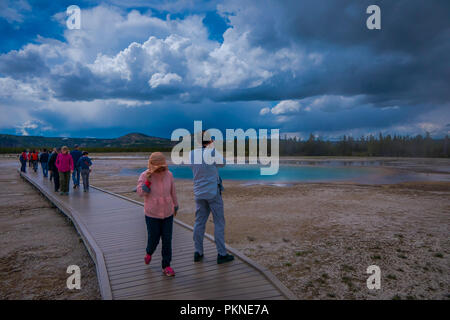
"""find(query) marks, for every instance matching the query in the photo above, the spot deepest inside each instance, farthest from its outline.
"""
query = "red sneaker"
(147, 258)
(168, 271)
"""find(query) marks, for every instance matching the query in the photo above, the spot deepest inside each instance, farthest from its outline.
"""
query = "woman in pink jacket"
(64, 164)
(157, 187)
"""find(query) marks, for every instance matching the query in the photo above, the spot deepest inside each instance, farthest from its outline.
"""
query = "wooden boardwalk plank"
(192, 285)
(188, 273)
(114, 232)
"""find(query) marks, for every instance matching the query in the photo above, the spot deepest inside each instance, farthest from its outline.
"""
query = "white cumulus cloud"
(163, 79)
(283, 107)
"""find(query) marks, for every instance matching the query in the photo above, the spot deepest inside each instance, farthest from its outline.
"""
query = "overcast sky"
(303, 66)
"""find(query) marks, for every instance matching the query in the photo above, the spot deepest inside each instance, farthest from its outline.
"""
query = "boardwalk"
(113, 230)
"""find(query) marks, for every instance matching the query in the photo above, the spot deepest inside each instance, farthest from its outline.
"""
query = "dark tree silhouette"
(381, 146)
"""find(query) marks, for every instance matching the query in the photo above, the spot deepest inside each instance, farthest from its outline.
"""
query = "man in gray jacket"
(208, 198)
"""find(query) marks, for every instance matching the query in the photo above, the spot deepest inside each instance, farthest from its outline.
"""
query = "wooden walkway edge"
(115, 238)
(92, 247)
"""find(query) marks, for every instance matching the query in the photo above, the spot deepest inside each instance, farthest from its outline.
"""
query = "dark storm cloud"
(22, 64)
(407, 25)
(406, 60)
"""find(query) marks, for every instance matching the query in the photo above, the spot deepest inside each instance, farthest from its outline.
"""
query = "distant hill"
(131, 140)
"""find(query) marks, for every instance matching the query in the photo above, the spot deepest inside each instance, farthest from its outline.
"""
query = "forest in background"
(367, 146)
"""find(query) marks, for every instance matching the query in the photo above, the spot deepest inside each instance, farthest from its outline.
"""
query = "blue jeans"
(44, 166)
(160, 229)
(76, 176)
(203, 208)
(23, 165)
(85, 176)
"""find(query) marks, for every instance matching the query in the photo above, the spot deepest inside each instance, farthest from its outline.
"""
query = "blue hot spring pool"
(293, 173)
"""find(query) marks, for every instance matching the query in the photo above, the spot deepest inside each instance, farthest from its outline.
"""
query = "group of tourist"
(32, 157)
(61, 164)
(156, 186)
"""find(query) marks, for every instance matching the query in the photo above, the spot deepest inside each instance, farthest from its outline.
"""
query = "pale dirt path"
(37, 244)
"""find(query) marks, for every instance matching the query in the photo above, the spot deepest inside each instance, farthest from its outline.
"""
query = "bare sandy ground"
(319, 238)
(37, 245)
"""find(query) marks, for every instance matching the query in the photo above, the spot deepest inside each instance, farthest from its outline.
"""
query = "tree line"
(370, 146)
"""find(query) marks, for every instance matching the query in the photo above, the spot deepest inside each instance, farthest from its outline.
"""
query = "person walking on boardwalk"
(53, 169)
(30, 161)
(208, 198)
(43, 159)
(35, 160)
(48, 163)
(23, 161)
(85, 163)
(76, 155)
(64, 163)
(157, 187)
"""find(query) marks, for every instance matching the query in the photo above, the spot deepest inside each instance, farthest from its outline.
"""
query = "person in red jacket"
(34, 160)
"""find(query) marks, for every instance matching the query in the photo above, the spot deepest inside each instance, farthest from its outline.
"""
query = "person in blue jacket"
(85, 163)
(76, 155)
(43, 159)
(23, 161)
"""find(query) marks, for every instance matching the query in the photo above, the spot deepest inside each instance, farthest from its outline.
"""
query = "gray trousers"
(85, 177)
(203, 208)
